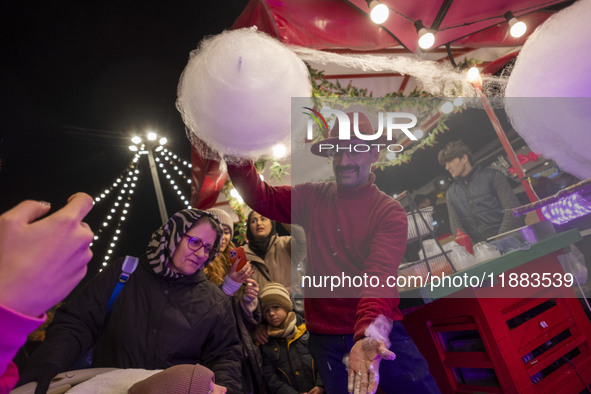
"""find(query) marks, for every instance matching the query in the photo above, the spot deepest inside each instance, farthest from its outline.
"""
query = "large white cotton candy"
(235, 92)
(554, 64)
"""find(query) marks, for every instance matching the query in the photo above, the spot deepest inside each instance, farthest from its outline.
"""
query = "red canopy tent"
(461, 26)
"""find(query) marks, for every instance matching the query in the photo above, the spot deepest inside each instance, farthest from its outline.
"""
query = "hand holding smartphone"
(238, 253)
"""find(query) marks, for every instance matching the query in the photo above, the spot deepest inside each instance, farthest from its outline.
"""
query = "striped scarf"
(286, 330)
(165, 240)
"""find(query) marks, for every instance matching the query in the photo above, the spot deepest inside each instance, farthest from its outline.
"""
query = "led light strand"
(116, 183)
(168, 167)
(120, 207)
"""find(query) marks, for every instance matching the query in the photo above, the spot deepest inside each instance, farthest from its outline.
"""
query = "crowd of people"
(189, 310)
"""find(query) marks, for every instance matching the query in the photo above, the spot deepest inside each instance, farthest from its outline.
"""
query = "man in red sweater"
(356, 235)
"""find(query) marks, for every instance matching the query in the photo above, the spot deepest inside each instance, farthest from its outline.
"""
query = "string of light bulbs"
(120, 206)
(168, 167)
(379, 13)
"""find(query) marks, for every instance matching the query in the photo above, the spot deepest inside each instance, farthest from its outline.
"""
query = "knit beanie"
(223, 217)
(275, 294)
(180, 379)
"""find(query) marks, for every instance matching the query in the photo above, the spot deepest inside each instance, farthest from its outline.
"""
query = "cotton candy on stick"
(235, 92)
(552, 81)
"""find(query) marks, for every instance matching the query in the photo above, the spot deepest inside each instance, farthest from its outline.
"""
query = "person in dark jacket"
(288, 366)
(244, 303)
(479, 201)
(167, 314)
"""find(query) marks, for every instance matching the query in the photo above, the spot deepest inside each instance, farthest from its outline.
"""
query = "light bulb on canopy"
(378, 12)
(517, 27)
(426, 36)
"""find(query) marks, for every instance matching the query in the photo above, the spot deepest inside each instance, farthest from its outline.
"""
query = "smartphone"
(238, 253)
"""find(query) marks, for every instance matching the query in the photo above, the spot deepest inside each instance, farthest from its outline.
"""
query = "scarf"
(165, 240)
(286, 330)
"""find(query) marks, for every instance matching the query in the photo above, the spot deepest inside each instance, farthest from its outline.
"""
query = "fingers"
(78, 205)
(374, 377)
(28, 211)
(386, 353)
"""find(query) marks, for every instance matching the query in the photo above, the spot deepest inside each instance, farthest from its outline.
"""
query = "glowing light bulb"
(152, 136)
(379, 12)
(516, 27)
(279, 151)
(426, 39)
(458, 101)
(473, 75)
(136, 140)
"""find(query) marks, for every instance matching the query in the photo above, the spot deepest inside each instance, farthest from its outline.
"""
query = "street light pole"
(149, 150)
(157, 187)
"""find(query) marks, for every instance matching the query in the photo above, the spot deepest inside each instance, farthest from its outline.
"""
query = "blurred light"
(158, 149)
(517, 28)
(391, 155)
(136, 140)
(458, 101)
(378, 12)
(133, 148)
(152, 136)
(426, 37)
(262, 177)
(447, 107)
(473, 75)
(163, 141)
(418, 133)
(279, 151)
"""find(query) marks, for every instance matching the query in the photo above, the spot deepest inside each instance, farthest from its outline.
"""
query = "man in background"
(479, 200)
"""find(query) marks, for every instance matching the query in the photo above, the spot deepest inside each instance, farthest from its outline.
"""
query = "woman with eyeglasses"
(168, 312)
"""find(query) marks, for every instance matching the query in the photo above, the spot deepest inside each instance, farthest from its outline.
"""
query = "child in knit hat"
(287, 365)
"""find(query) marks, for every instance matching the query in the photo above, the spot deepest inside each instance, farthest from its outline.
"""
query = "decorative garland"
(327, 91)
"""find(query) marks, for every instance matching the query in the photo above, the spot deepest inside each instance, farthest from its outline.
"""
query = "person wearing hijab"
(168, 313)
(270, 254)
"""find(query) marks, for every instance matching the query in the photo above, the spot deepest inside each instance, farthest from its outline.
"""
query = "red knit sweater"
(349, 231)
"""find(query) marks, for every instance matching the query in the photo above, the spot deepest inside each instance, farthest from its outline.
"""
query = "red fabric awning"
(330, 24)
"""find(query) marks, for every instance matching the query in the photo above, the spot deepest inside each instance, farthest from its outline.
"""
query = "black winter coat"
(155, 323)
(288, 366)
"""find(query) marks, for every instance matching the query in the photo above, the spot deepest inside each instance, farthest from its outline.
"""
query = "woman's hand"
(260, 334)
(252, 290)
(243, 274)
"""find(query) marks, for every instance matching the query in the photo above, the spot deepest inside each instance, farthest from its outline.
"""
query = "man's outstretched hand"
(363, 365)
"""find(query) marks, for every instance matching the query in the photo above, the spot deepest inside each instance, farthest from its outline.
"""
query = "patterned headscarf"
(165, 240)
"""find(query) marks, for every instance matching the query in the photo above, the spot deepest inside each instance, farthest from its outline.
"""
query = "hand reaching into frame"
(42, 260)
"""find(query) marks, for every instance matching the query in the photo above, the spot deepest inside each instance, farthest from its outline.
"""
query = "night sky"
(78, 79)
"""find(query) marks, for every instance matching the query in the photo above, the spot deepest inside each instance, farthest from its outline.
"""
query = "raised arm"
(269, 201)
